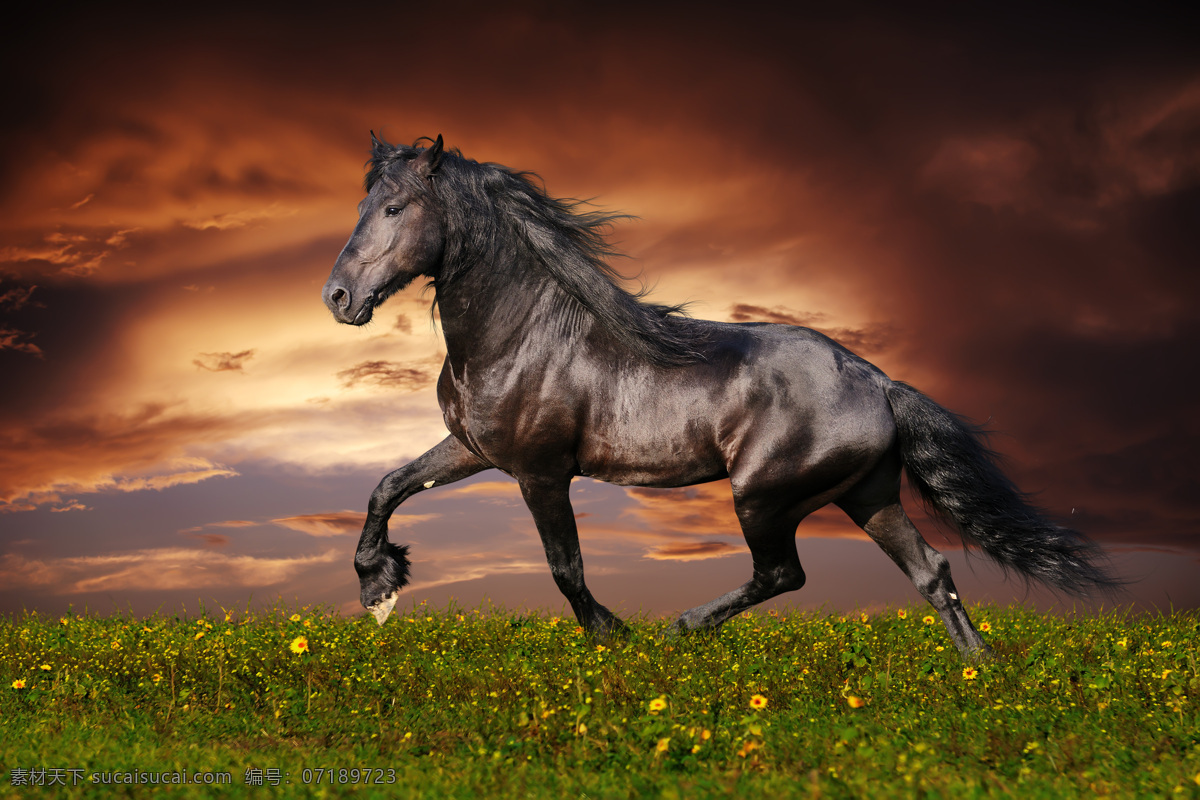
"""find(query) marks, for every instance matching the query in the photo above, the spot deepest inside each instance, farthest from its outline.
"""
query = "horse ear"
(428, 162)
(378, 146)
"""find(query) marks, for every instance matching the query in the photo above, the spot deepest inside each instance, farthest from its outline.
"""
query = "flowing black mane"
(499, 216)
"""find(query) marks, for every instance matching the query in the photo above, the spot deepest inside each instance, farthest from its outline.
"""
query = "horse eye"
(392, 211)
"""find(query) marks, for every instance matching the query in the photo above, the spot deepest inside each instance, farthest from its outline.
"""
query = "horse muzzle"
(348, 309)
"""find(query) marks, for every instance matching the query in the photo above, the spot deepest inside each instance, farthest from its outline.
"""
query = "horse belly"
(652, 449)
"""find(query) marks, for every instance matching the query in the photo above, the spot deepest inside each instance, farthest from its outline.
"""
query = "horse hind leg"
(771, 537)
(929, 570)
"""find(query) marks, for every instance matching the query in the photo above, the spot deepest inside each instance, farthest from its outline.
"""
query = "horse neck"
(498, 308)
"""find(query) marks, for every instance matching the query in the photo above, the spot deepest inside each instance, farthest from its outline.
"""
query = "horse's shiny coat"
(553, 370)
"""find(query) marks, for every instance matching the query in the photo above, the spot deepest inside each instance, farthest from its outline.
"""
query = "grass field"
(465, 704)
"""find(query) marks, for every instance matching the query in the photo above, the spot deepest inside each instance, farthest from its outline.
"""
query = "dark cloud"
(386, 373)
(224, 362)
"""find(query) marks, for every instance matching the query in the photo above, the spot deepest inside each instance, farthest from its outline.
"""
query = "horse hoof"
(383, 609)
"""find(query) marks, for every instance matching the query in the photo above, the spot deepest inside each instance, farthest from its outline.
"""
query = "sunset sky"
(998, 208)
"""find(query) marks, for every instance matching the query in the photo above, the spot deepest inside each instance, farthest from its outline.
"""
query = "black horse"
(553, 370)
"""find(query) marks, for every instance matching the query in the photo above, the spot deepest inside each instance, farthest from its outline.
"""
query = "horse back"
(763, 394)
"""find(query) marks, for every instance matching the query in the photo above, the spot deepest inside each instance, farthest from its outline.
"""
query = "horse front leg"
(550, 504)
(382, 567)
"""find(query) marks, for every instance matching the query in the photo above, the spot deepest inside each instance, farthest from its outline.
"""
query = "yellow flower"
(18, 684)
(662, 745)
(1167, 644)
(984, 627)
(855, 701)
(758, 701)
(657, 705)
(156, 677)
(863, 617)
(200, 635)
(582, 729)
(902, 614)
(44, 667)
(1166, 672)
(116, 645)
(706, 734)
(970, 673)
(299, 645)
(927, 619)
(294, 617)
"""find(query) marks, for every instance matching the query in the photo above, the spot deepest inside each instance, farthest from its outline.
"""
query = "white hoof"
(384, 607)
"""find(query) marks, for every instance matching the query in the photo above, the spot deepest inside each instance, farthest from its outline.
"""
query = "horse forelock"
(389, 162)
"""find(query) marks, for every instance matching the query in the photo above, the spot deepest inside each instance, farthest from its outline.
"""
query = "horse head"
(399, 234)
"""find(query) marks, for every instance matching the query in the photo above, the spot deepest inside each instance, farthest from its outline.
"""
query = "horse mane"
(495, 214)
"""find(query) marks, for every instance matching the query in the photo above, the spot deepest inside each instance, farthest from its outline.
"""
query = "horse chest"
(506, 424)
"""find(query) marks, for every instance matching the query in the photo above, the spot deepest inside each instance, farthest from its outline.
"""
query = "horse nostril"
(340, 297)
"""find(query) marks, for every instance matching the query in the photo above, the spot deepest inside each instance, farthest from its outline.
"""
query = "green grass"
(466, 704)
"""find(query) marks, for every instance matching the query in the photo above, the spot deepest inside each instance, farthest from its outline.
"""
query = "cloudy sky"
(999, 209)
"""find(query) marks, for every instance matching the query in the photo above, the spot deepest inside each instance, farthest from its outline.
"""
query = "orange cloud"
(238, 219)
(231, 523)
(17, 298)
(344, 523)
(13, 339)
(223, 362)
(692, 551)
(675, 518)
(211, 539)
(70, 505)
(702, 510)
(386, 374)
(141, 570)
(145, 450)
(501, 490)
(870, 339)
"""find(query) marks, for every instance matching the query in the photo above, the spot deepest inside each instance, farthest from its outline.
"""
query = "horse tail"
(959, 478)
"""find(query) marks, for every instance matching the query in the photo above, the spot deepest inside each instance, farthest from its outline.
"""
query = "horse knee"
(793, 580)
(394, 489)
(784, 578)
